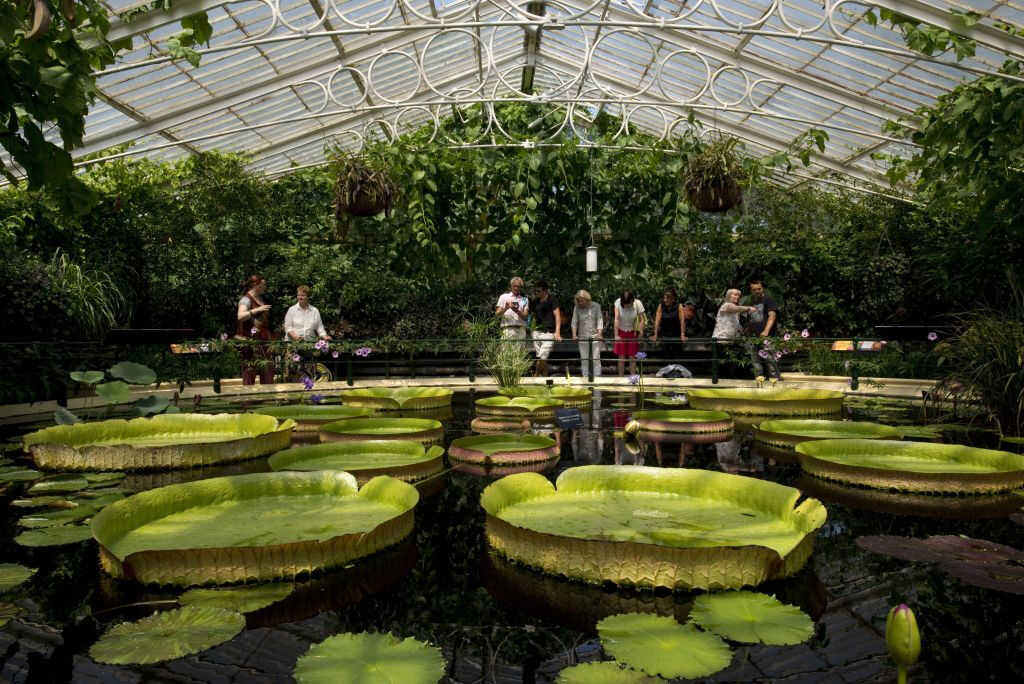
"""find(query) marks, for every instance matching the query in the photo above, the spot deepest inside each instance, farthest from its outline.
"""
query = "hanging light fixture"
(592, 249)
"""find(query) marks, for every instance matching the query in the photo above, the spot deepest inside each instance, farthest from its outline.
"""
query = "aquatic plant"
(767, 402)
(789, 433)
(408, 461)
(398, 398)
(752, 617)
(13, 574)
(660, 646)
(503, 449)
(167, 635)
(238, 599)
(602, 673)
(902, 639)
(419, 429)
(517, 406)
(312, 416)
(369, 658)
(683, 420)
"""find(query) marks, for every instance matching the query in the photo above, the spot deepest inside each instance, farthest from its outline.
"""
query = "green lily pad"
(54, 536)
(134, 373)
(168, 635)
(87, 377)
(43, 502)
(97, 479)
(60, 516)
(18, 474)
(661, 646)
(1011, 440)
(115, 392)
(601, 673)
(8, 611)
(238, 599)
(151, 404)
(370, 659)
(920, 431)
(59, 483)
(752, 618)
(13, 574)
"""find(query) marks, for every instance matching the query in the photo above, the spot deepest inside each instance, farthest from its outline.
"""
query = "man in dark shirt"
(763, 322)
(548, 326)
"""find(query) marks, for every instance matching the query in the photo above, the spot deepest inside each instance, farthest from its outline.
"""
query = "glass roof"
(282, 78)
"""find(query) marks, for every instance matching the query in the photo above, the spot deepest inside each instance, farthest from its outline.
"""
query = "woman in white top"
(630, 321)
(302, 323)
(727, 323)
(587, 325)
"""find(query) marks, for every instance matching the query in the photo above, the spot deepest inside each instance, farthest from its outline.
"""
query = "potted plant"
(362, 189)
(713, 175)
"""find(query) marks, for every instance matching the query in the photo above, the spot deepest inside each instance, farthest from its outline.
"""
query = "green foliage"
(752, 617)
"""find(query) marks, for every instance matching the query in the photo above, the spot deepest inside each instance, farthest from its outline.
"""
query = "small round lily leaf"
(661, 646)
(87, 377)
(751, 617)
(55, 536)
(13, 574)
(59, 483)
(368, 658)
(166, 636)
(115, 392)
(134, 373)
(238, 599)
(602, 673)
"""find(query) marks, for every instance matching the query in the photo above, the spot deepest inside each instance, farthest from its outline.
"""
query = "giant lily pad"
(493, 425)
(649, 527)
(175, 441)
(369, 658)
(767, 402)
(495, 471)
(503, 449)
(661, 646)
(602, 673)
(912, 466)
(166, 636)
(396, 398)
(238, 599)
(13, 574)
(313, 416)
(683, 420)
(569, 396)
(406, 460)
(251, 527)
(752, 617)
(789, 433)
(518, 406)
(416, 429)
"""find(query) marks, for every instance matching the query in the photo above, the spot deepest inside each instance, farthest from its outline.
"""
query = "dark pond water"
(498, 622)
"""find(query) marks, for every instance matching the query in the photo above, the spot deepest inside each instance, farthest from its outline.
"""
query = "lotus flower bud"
(902, 638)
(631, 428)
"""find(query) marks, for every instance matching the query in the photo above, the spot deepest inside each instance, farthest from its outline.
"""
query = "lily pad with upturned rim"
(417, 429)
(398, 398)
(752, 617)
(790, 432)
(370, 658)
(569, 396)
(517, 406)
(602, 673)
(490, 425)
(254, 527)
(503, 449)
(312, 416)
(780, 401)
(648, 527)
(683, 420)
(912, 466)
(167, 635)
(407, 460)
(164, 441)
(659, 645)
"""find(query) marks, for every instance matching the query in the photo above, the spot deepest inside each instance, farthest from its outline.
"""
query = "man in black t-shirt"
(548, 325)
(763, 322)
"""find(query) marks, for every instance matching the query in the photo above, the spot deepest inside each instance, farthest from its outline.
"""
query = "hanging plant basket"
(362, 191)
(713, 198)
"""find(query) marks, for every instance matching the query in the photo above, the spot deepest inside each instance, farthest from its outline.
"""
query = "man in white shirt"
(302, 323)
(513, 309)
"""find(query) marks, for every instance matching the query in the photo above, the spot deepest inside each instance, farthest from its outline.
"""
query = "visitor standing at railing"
(513, 309)
(302, 323)
(549, 325)
(630, 321)
(587, 329)
(670, 325)
(763, 322)
(254, 323)
(727, 323)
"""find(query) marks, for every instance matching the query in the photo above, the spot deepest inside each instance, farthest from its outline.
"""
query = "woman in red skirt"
(629, 326)
(254, 323)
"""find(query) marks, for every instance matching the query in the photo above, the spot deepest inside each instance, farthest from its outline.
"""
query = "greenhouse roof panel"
(270, 66)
